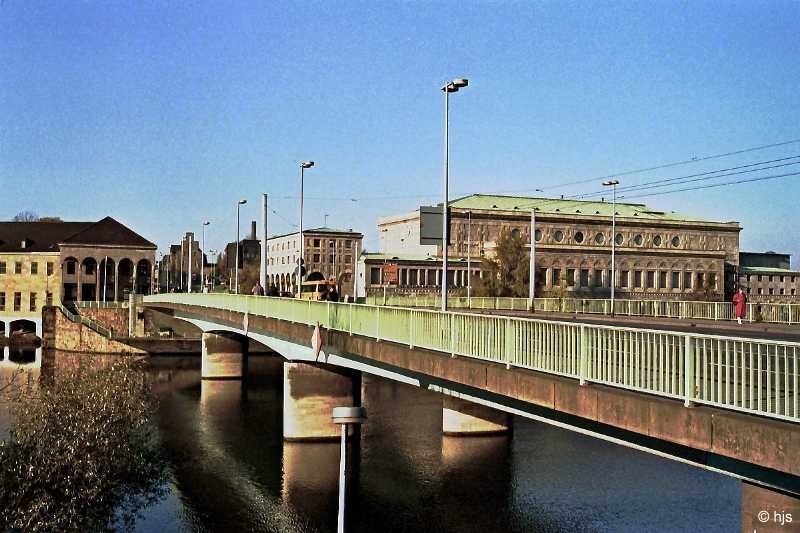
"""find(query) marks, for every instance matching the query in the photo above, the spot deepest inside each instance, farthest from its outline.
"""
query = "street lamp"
(613, 184)
(303, 166)
(203, 256)
(213, 267)
(345, 416)
(240, 203)
(451, 87)
(532, 266)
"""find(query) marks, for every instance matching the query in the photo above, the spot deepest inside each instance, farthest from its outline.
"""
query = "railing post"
(508, 343)
(378, 324)
(716, 310)
(583, 355)
(688, 371)
(350, 319)
(411, 328)
(452, 337)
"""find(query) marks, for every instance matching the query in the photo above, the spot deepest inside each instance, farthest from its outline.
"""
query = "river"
(231, 471)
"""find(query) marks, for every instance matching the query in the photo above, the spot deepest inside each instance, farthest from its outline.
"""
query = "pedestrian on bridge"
(739, 305)
(258, 290)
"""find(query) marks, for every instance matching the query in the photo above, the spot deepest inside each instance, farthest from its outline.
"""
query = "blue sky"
(162, 114)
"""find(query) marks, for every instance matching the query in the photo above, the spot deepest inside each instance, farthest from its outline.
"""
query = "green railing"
(89, 323)
(100, 305)
(756, 312)
(752, 375)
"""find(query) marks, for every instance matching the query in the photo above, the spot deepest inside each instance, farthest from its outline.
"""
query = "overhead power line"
(713, 185)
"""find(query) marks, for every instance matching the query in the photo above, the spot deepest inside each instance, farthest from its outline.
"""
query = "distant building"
(50, 262)
(768, 277)
(174, 268)
(659, 254)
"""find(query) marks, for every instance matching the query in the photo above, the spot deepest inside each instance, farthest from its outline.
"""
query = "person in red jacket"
(739, 305)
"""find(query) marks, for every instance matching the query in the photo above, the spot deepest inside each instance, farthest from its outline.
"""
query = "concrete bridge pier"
(463, 418)
(310, 392)
(224, 356)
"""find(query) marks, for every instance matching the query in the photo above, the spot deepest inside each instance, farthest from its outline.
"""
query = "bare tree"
(25, 216)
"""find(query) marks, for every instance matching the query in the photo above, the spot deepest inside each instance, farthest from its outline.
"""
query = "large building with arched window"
(658, 254)
(45, 263)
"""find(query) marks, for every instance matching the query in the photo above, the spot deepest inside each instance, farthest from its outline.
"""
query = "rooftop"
(767, 270)
(567, 206)
(46, 236)
(321, 229)
(410, 257)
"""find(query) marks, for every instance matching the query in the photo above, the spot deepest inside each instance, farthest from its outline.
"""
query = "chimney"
(253, 230)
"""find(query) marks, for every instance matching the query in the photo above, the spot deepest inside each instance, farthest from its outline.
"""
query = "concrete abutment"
(224, 356)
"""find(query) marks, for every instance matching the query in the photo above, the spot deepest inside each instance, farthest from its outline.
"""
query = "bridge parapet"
(755, 376)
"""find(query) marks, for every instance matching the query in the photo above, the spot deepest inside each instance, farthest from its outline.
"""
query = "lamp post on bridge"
(238, 205)
(345, 416)
(613, 184)
(203, 256)
(303, 166)
(451, 87)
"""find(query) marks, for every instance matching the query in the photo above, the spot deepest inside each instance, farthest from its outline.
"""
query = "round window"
(599, 238)
(515, 233)
(675, 241)
(619, 239)
(638, 240)
(558, 235)
(579, 237)
(657, 240)
(538, 234)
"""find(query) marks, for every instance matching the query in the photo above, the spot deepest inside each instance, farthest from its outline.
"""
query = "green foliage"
(82, 455)
(507, 273)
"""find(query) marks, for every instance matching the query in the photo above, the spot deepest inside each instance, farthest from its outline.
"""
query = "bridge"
(724, 403)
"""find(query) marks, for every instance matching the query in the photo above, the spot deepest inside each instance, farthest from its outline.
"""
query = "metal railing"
(100, 305)
(680, 309)
(89, 323)
(756, 376)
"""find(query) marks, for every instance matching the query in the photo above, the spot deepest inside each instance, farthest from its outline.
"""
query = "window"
(662, 280)
(584, 277)
(637, 279)
(375, 276)
(651, 279)
(771, 291)
(759, 277)
(598, 278)
(316, 243)
(2, 267)
(432, 276)
(781, 291)
(599, 238)
(657, 240)
(413, 277)
(676, 280)
(570, 277)
(538, 234)
(556, 276)
(638, 240)
(770, 278)
(33, 301)
(330, 258)
(34, 269)
(90, 267)
(331, 243)
(348, 259)
(18, 267)
(558, 236)
(515, 233)
(17, 301)
(2, 301)
(49, 268)
(70, 267)
(619, 239)
(579, 237)
(348, 243)
(623, 278)
(316, 258)
(49, 298)
(760, 290)
(700, 279)
(676, 242)
(781, 279)
(687, 280)
(794, 292)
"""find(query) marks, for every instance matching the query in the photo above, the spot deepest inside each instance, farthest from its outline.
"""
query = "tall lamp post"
(613, 184)
(532, 265)
(238, 205)
(303, 166)
(451, 87)
(213, 267)
(203, 256)
(345, 416)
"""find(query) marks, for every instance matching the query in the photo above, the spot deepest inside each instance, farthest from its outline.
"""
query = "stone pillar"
(116, 281)
(310, 392)
(766, 511)
(80, 282)
(132, 315)
(224, 356)
(97, 282)
(460, 417)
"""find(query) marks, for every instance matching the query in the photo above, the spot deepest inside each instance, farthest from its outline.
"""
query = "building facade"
(329, 254)
(659, 255)
(44, 263)
(174, 271)
(768, 277)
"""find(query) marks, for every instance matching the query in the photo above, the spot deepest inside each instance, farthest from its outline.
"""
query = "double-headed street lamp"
(203, 256)
(303, 166)
(451, 87)
(238, 205)
(613, 184)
